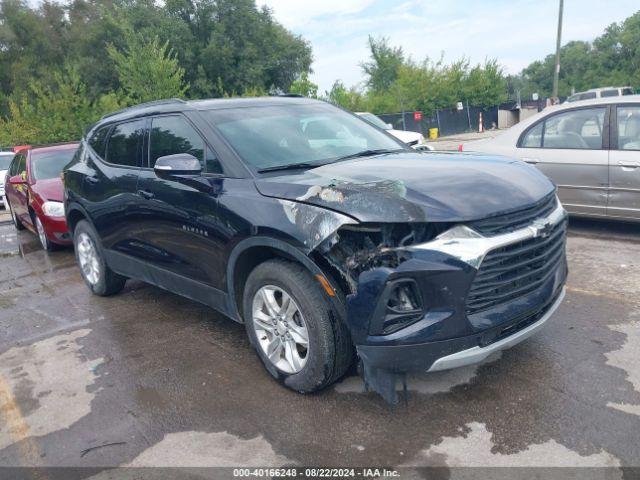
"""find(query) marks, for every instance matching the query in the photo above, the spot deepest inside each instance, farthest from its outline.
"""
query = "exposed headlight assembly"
(53, 209)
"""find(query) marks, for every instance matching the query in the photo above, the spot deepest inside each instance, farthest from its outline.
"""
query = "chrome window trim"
(469, 246)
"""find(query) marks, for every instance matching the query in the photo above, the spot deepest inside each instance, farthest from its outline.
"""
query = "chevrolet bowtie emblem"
(541, 228)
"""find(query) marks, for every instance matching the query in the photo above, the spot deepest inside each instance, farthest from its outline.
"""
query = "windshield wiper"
(369, 153)
(290, 166)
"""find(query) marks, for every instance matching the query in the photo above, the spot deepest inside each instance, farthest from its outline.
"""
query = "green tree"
(613, 58)
(148, 69)
(53, 112)
(382, 68)
(305, 87)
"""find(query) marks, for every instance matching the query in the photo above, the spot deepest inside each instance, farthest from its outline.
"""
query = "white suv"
(5, 160)
(601, 93)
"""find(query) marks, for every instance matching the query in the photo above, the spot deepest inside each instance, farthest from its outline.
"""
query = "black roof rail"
(294, 95)
(167, 101)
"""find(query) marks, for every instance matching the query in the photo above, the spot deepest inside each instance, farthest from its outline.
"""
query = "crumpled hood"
(414, 187)
(49, 189)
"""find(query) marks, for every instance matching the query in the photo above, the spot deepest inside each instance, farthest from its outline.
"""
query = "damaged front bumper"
(475, 295)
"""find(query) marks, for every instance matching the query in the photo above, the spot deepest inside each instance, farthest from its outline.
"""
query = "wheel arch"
(253, 251)
(74, 215)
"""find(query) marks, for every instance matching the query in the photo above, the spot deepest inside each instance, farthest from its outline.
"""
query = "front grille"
(510, 272)
(515, 220)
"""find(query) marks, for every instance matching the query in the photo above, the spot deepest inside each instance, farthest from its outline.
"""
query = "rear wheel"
(100, 279)
(16, 222)
(293, 328)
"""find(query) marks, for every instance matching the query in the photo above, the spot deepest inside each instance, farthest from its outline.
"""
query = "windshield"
(372, 119)
(274, 136)
(50, 164)
(5, 160)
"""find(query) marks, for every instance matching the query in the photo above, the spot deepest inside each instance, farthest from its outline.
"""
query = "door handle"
(629, 164)
(530, 160)
(91, 180)
(146, 194)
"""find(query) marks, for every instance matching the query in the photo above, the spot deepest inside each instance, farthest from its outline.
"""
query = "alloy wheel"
(88, 258)
(280, 329)
(41, 233)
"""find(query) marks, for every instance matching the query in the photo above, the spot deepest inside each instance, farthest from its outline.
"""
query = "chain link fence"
(447, 121)
(453, 121)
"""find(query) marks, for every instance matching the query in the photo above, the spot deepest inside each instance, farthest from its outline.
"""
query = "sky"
(515, 32)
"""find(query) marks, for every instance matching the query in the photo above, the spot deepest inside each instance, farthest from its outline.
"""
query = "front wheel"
(100, 279)
(47, 245)
(296, 333)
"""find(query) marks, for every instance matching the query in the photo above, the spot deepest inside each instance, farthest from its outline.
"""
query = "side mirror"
(178, 164)
(389, 126)
(17, 180)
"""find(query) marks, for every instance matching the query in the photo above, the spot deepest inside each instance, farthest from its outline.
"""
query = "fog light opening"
(404, 298)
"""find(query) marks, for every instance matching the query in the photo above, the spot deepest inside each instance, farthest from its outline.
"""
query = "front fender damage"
(362, 258)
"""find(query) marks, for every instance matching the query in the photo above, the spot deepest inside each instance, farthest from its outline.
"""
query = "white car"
(601, 93)
(413, 139)
(5, 160)
(590, 149)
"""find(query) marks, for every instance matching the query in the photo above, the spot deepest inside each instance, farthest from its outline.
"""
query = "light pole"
(556, 72)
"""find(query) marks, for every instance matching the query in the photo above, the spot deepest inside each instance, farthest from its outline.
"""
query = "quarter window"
(533, 138)
(174, 134)
(628, 128)
(98, 141)
(125, 143)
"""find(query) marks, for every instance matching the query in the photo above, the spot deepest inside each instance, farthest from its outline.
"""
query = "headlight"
(53, 209)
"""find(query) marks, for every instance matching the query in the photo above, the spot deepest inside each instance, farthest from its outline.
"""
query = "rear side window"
(610, 93)
(627, 91)
(124, 146)
(628, 128)
(174, 134)
(98, 141)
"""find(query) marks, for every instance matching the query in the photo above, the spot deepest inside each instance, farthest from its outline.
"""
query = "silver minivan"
(590, 149)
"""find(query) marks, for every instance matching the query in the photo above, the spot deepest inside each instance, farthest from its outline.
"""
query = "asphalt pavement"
(147, 378)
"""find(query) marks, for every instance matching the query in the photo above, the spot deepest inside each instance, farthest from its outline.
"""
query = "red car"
(34, 192)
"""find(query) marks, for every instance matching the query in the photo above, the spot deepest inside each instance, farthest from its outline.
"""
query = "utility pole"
(556, 72)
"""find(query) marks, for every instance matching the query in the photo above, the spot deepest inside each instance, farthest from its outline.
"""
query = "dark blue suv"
(328, 238)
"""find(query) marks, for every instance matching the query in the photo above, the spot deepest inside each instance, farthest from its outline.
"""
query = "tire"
(95, 272)
(16, 222)
(329, 350)
(47, 244)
